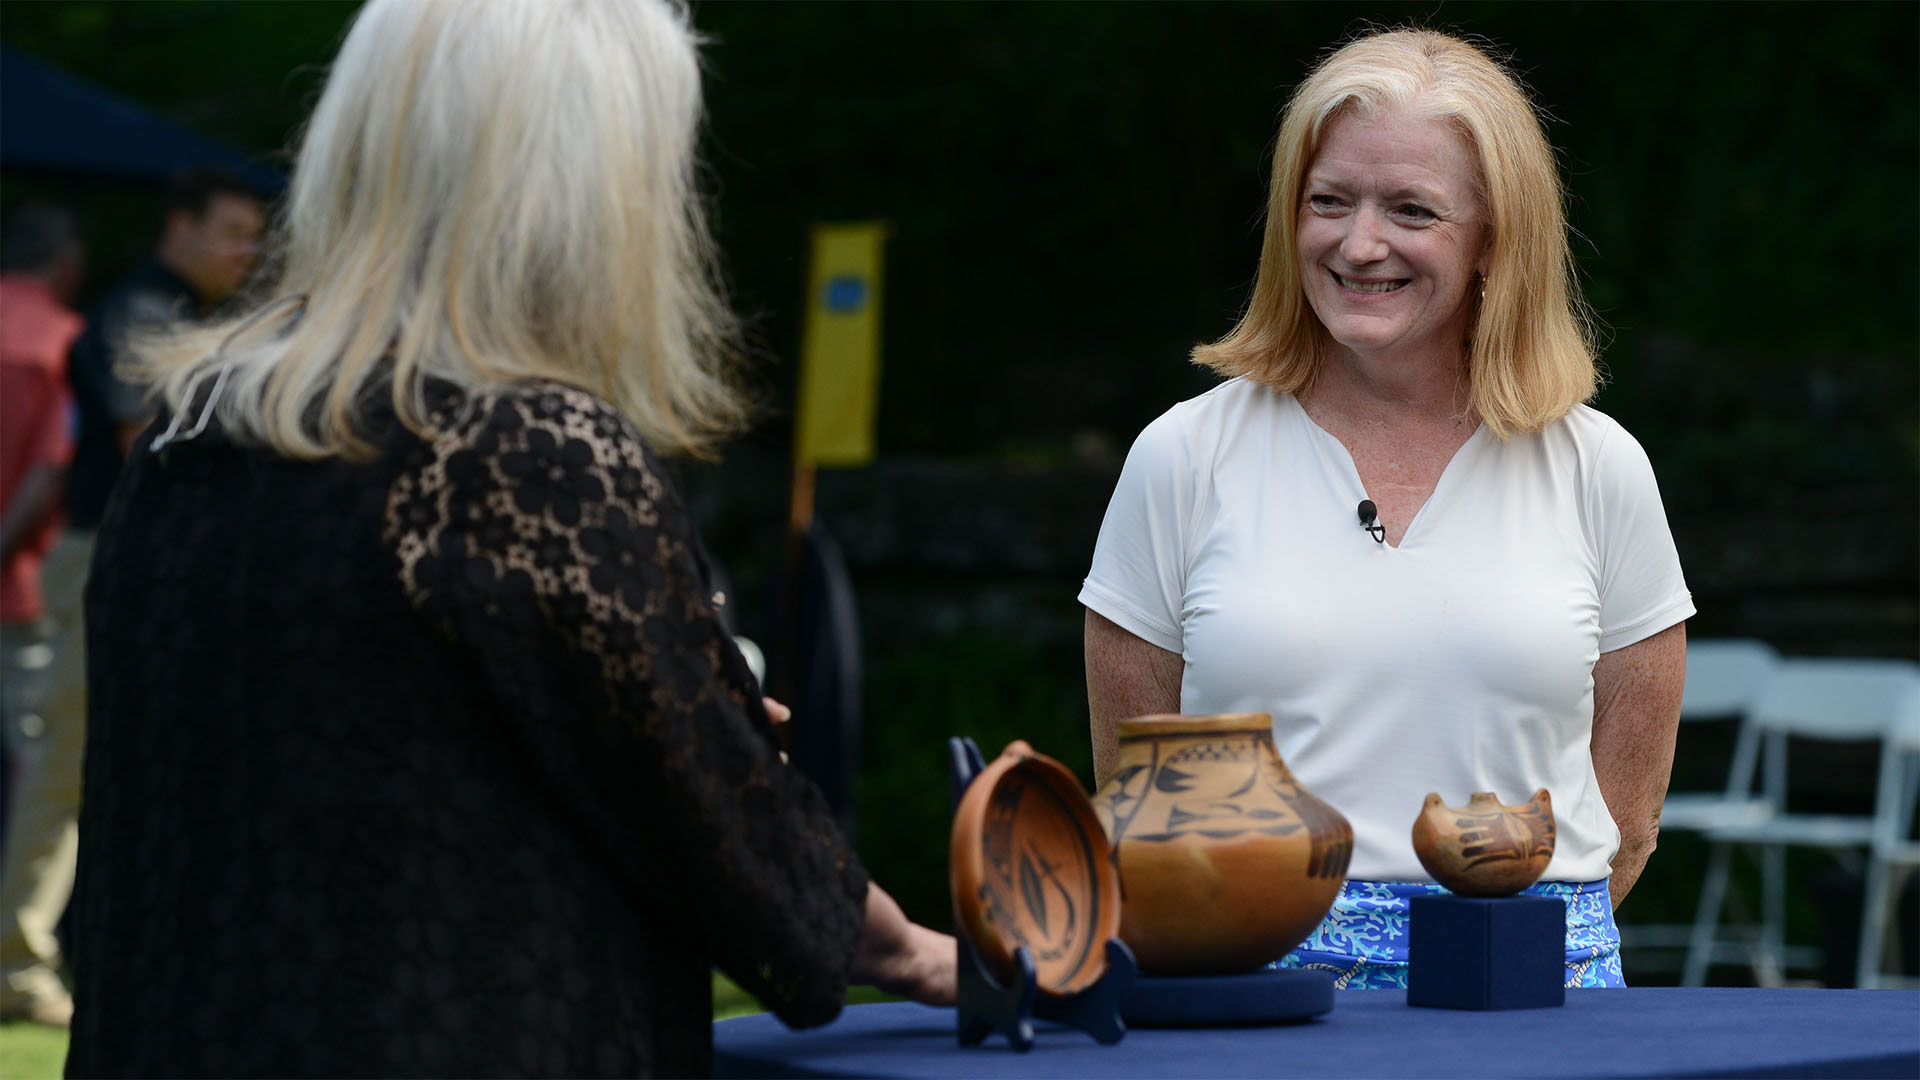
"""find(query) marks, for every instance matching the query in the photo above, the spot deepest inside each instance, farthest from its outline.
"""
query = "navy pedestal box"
(1509, 952)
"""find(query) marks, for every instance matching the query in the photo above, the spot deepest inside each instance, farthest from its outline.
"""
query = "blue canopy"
(54, 122)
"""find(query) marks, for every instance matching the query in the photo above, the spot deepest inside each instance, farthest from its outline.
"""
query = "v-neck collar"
(1332, 445)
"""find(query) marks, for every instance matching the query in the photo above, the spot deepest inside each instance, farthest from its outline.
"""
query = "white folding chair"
(1724, 677)
(1823, 699)
(1894, 853)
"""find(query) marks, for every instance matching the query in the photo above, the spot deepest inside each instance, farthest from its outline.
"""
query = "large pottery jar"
(1226, 862)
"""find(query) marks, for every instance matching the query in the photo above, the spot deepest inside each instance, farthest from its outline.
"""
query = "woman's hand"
(777, 714)
(897, 955)
(903, 957)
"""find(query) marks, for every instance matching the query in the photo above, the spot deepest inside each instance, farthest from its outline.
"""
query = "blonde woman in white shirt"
(1516, 617)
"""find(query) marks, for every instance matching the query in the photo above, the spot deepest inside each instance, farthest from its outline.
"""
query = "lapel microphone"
(1368, 512)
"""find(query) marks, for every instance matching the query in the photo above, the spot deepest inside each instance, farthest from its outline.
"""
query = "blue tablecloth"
(1652, 1031)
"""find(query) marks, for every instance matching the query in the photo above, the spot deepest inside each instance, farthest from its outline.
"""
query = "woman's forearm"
(1635, 849)
(1636, 712)
(902, 957)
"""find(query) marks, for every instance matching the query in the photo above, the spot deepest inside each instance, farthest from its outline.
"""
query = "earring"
(1483, 288)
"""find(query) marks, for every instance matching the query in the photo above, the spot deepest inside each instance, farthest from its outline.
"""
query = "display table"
(1653, 1031)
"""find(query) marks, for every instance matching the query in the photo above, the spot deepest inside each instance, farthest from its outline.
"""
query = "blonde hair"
(486, 192)
(1532, 355)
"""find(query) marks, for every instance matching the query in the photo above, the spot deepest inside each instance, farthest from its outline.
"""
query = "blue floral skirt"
(1363, 940)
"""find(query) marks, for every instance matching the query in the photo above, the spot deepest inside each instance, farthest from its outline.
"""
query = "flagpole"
(834, 417)
(799, 520)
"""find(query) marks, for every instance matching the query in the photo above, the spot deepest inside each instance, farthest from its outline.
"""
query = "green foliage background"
(971, 684)
(1076, 192)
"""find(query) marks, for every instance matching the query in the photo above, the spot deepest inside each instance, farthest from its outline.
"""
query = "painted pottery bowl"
(1226, 861)
(1029, 865)
(1484, 848)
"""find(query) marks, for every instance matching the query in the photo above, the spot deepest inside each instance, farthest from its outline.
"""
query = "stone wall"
(938, 546)
(1833, 572)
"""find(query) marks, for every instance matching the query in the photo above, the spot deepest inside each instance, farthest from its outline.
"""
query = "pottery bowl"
(1029, 866)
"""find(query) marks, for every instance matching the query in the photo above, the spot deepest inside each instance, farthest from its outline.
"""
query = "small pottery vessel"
(1029, 865)
(1484, 848)
(1226, 862)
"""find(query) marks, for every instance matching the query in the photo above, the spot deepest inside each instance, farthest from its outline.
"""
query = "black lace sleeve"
(540, 533)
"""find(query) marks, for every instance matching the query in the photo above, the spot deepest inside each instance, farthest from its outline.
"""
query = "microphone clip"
(1369, 515)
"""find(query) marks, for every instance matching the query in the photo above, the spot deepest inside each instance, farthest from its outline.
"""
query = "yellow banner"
(840, 355)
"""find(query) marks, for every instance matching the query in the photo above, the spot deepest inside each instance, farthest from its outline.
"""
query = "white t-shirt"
(1460, 661)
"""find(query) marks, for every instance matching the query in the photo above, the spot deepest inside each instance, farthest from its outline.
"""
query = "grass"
(729, 1000)
(31, 1052)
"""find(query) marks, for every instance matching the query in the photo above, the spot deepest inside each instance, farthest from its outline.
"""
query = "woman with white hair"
(416, 746)
(1396, 527)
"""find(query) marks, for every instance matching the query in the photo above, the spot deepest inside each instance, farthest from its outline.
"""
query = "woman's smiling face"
(1390, 234)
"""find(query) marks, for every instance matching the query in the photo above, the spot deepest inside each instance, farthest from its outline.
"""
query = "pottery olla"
(1226, 862)
(1484, 848)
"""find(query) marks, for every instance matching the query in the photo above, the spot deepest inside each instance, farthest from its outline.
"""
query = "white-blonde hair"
(1532, 355)
(487, 191)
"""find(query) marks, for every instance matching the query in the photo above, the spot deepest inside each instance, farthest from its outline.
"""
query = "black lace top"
(439, 765)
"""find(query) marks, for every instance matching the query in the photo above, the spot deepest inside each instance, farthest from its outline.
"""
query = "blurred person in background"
(415, 745)
(1512, 616)
(209, 241)
(42, 262)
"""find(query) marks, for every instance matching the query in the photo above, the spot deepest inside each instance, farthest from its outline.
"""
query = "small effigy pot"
(1226, 861)
(1484, 848)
